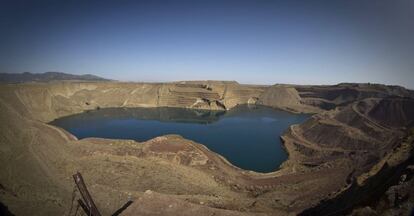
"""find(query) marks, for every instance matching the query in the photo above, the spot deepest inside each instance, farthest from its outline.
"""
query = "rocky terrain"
(350, 157)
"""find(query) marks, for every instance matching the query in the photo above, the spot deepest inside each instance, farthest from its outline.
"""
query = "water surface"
(249, 137)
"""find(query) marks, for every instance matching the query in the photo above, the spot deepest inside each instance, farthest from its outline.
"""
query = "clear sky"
(263, 42)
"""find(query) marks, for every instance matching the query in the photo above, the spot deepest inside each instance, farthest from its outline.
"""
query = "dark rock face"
(398, 199)
(388, 192)
(396, 112)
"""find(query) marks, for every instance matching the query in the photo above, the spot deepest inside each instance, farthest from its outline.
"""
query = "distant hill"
(46, 77)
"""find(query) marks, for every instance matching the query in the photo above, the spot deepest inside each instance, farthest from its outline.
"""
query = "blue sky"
(263, 42)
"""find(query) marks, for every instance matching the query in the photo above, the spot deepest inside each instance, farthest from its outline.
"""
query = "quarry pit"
(357, 134)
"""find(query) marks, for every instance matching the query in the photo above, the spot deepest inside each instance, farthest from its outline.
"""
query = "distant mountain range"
(46, 77)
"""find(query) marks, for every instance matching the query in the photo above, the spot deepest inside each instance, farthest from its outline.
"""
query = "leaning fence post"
(87, 199)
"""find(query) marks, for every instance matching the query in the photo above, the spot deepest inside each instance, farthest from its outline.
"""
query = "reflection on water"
(247, 136)
(165, 114)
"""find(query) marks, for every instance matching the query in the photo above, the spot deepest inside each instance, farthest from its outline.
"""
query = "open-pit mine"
(350, 152)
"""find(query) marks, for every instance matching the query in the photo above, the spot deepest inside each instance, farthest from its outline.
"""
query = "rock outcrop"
(285, 97)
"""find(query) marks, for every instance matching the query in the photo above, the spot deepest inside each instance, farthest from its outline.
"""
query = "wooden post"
(84, 207)
(88, 202)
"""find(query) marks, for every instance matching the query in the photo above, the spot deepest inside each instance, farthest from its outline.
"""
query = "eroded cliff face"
(287, 98)
(345, 145)
(47, 101)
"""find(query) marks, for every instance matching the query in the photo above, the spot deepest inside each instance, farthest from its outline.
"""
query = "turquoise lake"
(248, 137)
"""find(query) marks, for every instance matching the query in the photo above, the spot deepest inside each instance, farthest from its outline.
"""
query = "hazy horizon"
(165, 81)
(252, 42)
